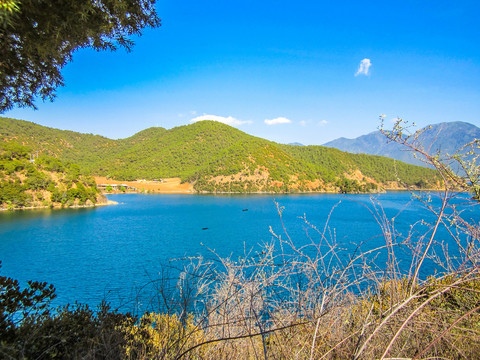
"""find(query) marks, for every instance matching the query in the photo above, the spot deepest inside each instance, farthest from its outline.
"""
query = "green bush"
(37, 180)
(30, 329)
(13, 193)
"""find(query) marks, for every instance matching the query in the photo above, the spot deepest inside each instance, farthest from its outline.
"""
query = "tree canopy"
(38, 38)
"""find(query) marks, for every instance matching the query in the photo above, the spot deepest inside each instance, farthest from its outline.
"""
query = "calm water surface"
(111, 251)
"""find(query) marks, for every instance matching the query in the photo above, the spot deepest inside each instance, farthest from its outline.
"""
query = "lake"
(110, 252)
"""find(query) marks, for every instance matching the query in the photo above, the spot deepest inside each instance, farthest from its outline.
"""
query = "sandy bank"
(171, 185)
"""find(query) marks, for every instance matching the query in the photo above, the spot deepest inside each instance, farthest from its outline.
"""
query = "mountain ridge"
(218, 158)
(445, 137)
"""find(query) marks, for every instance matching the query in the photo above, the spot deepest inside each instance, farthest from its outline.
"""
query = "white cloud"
(322, 123)
(303, 123)
(229, 120)
(278, 120)
(364, 67)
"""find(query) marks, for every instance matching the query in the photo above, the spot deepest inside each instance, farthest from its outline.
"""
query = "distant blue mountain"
(445, 137)
(296, 143)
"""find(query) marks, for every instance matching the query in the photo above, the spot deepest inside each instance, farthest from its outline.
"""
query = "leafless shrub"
(321, 300)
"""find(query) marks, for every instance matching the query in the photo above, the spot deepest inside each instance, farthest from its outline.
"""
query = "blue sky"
(282, 70)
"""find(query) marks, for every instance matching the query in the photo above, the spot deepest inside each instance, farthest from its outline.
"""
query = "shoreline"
(175, 186)
(272, 192)
(56, 207)
(112, 202)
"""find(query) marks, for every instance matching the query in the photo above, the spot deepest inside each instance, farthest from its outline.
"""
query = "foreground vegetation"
(247, 318)
(31, 180)
(294, 299)
(218, 158)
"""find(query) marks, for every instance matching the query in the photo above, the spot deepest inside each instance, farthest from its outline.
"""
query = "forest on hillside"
(218, 158)
(31, 180)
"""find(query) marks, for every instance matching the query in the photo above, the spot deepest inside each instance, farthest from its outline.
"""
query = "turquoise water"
(110, 252)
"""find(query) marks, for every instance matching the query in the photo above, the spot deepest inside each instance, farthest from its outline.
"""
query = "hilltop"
(444, 138)
(215, 157)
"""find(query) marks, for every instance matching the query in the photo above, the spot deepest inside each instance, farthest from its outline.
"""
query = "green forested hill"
(67, 145)
(27, 180)
(217, 157)
(330, 162)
